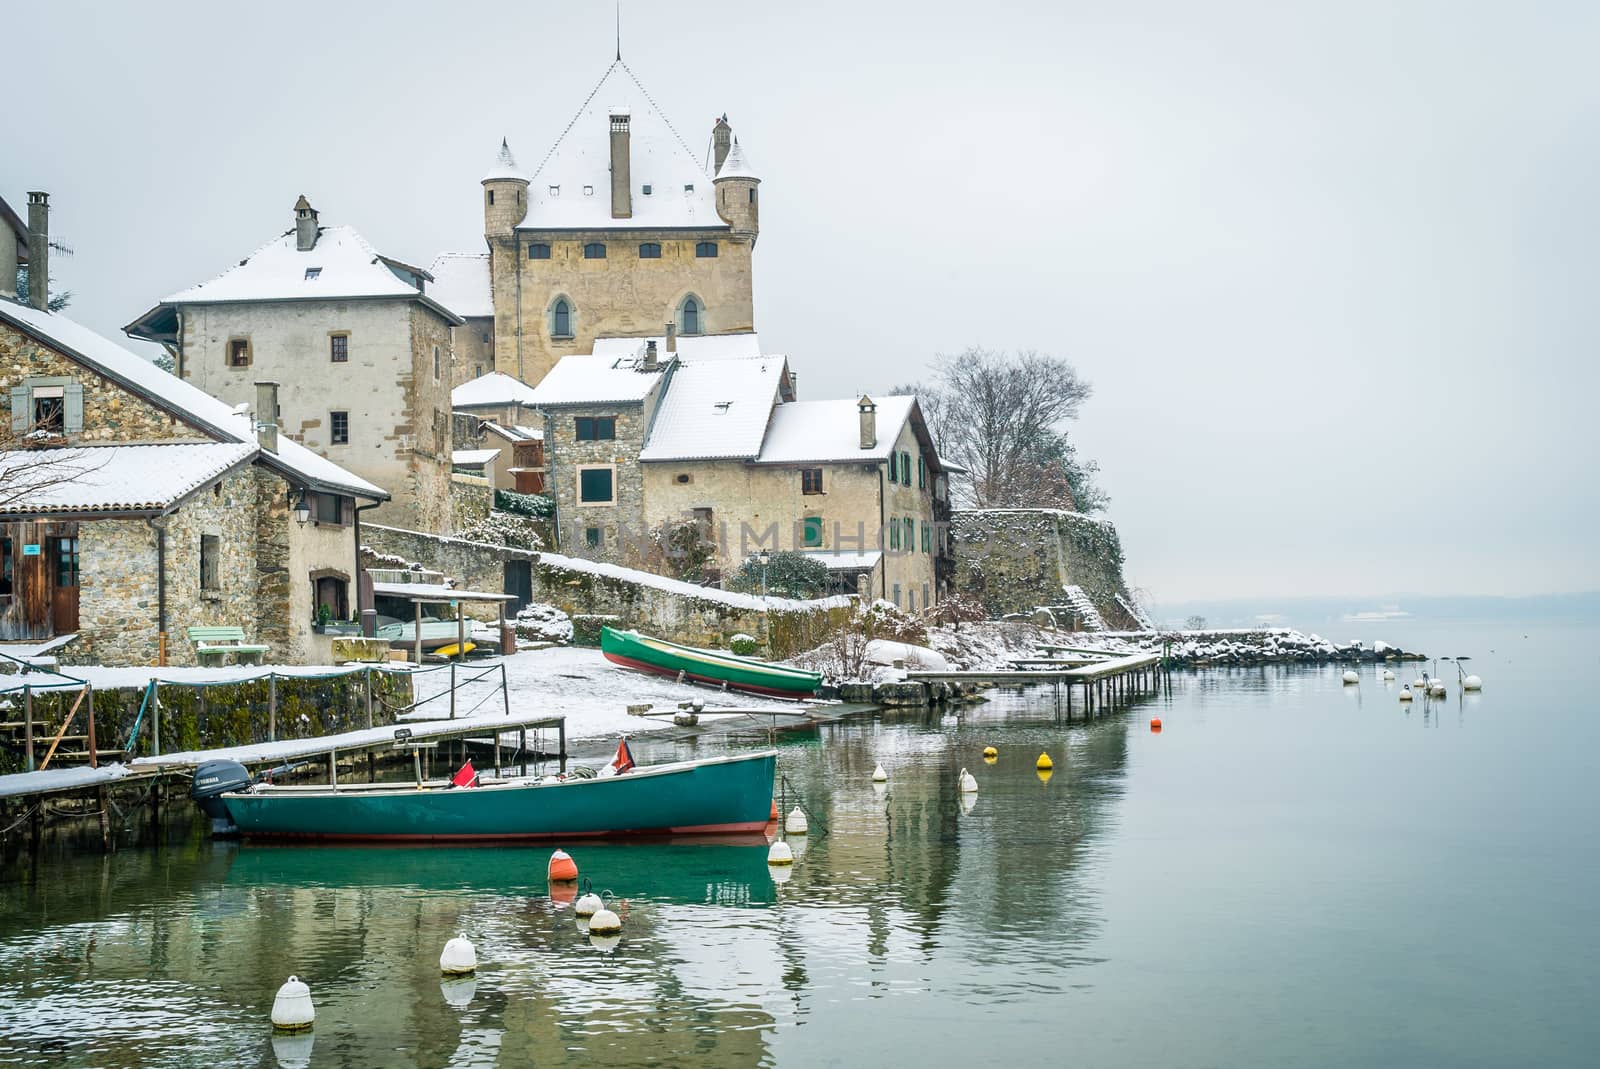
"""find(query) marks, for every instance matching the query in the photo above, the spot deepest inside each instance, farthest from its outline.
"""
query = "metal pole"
(505, 691)
(272, 707)
(522, 748)
(333, 769)
(369, 697)
(416, 645)
(27, 726)
(561, 734)
(155, 719)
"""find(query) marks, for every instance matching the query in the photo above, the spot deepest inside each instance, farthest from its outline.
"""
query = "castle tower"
(737, 200)
(505, 195)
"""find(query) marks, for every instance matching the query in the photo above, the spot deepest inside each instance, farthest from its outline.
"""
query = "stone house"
(362, 350)
(133, 506)
(619, 231)
(461, 284)
(637, 444)
(501, 416)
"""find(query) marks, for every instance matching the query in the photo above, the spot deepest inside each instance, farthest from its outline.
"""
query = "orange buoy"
(772, 817)
(564, 893)
(562, 868)
(1155, 724)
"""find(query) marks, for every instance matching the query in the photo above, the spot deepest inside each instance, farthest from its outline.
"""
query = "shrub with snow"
(504, 529)
(744, 645)
(544, 623)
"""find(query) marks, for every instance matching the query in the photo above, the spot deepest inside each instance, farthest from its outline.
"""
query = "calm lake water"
(1293, 872)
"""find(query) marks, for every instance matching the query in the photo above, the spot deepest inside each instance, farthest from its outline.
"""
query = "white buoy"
(588, 904)
(780, 854)
(1405, 694)
(605, 922)
(1388, 676)
(1351, 677)
(292, 1050)
(795, 822)
(458, 991)
(604, 943)
(1436, 689)
(1419, 684)
(459, 957)
(291, 1009)
(879, 775)
(967, 783)
(780, 873)
(1472, 683)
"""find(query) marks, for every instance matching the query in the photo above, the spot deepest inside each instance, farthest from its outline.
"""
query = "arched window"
(650, 250)
(595, 250)
(561, 319)
(691, 316)
(706, 249)
(539, 252)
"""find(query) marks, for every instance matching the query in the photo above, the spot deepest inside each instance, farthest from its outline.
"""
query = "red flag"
(466, 776)
(624, 759)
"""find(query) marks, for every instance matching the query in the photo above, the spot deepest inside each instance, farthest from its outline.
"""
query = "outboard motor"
(211, 781)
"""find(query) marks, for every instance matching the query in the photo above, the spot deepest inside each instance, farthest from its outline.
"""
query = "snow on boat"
(633, 650)
(714, 796)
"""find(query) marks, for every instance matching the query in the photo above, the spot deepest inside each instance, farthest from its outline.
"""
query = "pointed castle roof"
(571, 186)
(734, 165)
(505, 166)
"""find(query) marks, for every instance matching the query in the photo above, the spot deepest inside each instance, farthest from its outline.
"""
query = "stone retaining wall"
(1014, 560)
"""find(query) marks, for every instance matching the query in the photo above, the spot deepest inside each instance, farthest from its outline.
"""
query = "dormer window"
(312, 273)
(588, 191)
(647, 189)
(689, 188)
(555, 191)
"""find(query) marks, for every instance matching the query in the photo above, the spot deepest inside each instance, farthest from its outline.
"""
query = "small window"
(491, 196)
(811, 534)
(922, 474)
(66, 554)
(894, 468)
(561, 320)
(339, 348)
(591, 537)
(588, 191)
(595, 486)
(683, 478)
(595, 250)
(897, 595)
(7, 569)
(333, 592)
(689, 188)
(926, 601)
(752, 196)
(555, 191)
(596, 428)
(484, 338)
(537, 252)
(339, 428)
(650, 251)
(911, 535)
(927, 547)
(210, 572)
(328, 509)
(647, 189)
(238, 352)
(706, 250)
(894, 533)
(905, 468)
(691, 316)
(436, 363)
(312, 273)
(49, 410)
(811, 480)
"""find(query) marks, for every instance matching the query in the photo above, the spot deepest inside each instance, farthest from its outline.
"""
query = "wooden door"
(519, 581)
(64, 569)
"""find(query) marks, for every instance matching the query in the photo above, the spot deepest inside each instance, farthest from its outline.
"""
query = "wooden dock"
(1104, 682)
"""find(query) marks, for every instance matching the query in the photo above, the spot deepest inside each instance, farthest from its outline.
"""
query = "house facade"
(134, 506)
(461, 284)
(362, 351)
(640, 443)
(618, 230)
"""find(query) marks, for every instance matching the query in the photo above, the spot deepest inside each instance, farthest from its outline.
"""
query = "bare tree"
(999, 415)
(35, 463)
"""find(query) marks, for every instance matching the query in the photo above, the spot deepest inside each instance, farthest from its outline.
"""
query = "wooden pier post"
(272, 707)
(88, 696)
(561, 736)
(369, 695)
(27, 726)
(155, 718)
(522, 749)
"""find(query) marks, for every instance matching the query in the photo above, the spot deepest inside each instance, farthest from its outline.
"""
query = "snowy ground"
(583, 686)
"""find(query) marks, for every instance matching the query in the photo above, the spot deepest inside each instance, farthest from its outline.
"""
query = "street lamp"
(765, 558)
(302, 509)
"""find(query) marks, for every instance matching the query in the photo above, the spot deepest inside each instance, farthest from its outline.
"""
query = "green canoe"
(633, 650)
(718, 795)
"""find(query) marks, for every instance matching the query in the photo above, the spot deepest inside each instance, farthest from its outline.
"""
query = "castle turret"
(737, 199)
(505, 195)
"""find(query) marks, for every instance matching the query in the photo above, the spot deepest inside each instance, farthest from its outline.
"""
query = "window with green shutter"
(894, 468)
(922, 474)
(594, 486)
(905, 468)
(812, 533)
(927, 543)
(894, 534)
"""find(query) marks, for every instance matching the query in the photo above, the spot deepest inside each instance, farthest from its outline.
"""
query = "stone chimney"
(721, 140)
(267, 415)
(869, 422)
(305, 225)
(652, 361)
(39, 250)
(672, 338)
(621, 166)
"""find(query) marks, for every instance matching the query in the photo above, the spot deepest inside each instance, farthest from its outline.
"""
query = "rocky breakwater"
(1206, 649)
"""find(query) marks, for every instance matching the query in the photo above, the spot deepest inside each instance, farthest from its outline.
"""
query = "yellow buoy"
(990, 753)
(1044, 762)
(1044, 774)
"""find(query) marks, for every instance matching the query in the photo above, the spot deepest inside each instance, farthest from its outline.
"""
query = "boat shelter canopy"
(435, 593)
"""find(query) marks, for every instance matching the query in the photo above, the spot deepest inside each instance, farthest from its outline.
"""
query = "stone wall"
(1015, 560)
(474, 565)
(474, 349)
(471, 499)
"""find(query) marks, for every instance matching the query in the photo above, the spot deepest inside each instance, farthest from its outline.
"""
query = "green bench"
(218, 641)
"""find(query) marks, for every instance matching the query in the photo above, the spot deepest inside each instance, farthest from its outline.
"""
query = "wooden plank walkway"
(1105, 683)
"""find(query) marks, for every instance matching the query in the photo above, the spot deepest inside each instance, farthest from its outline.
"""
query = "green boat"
(645, 654)
(714, 796)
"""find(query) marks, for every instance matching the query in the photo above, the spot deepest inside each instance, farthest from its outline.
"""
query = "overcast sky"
(1330, 267)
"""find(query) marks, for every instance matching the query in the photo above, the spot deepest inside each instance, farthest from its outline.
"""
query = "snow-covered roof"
(734, 165)
(495, 388)
(435, 592)
(831, 430)
(188, 402)
(461, 283)
(716, 408)
(504, 166)
(341, 264)
(597, 380)
(571, 187)
(113, 478)
(515, 433)
(842, 560)
(473, 458)
(692, 347)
